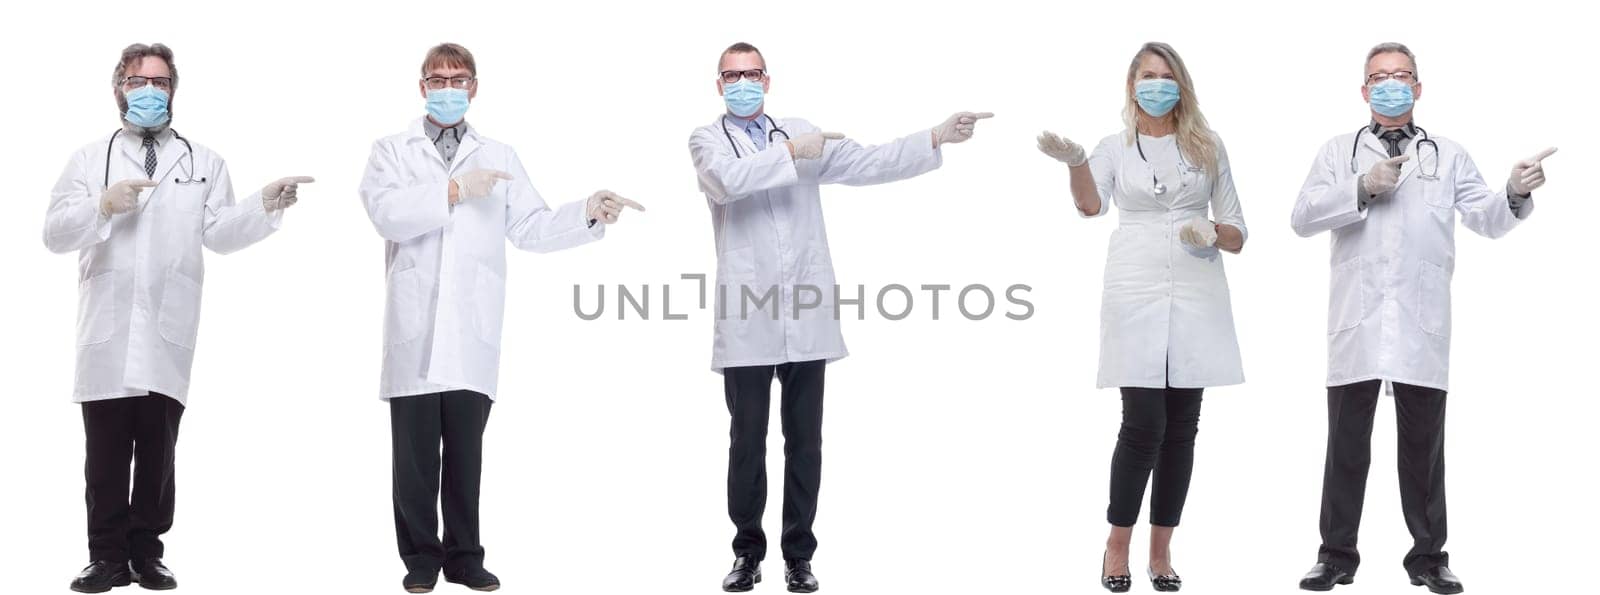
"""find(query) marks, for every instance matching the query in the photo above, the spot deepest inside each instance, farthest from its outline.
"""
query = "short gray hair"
(132, 54)
(1392, 47)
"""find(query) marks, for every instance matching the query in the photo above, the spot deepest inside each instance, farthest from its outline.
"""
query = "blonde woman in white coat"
(1166, 326)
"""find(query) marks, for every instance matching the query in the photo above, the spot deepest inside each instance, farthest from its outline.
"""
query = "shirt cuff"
(1521, 206)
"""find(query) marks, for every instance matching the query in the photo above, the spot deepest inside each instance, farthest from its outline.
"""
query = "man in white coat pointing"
(775, 290)
(1390, 194)
(446, 199)
(137, 206)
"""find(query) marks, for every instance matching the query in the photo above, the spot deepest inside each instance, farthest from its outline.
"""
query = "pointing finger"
(298, 180)
(630, 204)
(1542, 154)
(983, 115)
(142, 183)
(500, 175)
(1396, 161)
(833, 135)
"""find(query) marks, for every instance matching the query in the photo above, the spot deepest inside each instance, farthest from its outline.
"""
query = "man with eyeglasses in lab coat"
(137, 206)
(1389, 195)
(446, 199)
(761, 177)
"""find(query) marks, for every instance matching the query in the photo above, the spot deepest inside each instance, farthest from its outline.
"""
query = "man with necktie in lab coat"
(137, 206)
(1389, 194)
(761, 176)
(446, 199)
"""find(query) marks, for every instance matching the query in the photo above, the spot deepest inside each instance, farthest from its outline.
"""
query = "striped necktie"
(149, 157)
(1392, 140)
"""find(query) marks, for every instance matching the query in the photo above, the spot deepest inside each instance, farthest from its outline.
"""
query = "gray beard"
(146, 132)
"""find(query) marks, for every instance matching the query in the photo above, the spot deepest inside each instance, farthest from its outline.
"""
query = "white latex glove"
(958, 127)
(1528, 174)
(606, 206)
(1199, 232)
(281, 194)
(123, 196)
(809, 145)
(477, 183)
(1062, 149)
(1383, 176)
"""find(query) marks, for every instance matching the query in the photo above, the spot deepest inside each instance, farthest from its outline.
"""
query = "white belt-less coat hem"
(446, 265)
(1166, 317)
(1391, 264)
(140, 273)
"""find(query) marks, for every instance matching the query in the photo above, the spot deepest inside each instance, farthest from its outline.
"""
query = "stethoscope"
(1156, 186)
(775, 130)
(1434, 175)
(188, 172)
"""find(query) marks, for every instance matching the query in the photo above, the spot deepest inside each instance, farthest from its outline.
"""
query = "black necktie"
(1392, 140)
(149, 157)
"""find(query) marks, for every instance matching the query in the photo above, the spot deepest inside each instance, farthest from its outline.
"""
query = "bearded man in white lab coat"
(1389, 194)
(446, 199)
(137, 206)
(761, 177)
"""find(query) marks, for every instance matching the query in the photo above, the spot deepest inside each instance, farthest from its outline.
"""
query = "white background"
(961, 456)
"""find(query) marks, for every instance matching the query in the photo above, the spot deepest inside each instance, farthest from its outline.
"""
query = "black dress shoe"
(420, 581)
(1439, 579)
(799, 575)
(746, 573)
(151, 574)
(476, 579)
(1116, 583)
(101, 575)
(1164, 582)
(1324, 576)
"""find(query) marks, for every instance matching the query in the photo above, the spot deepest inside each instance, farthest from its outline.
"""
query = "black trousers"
(1419, 422)
(418, 425)
(1157, 438)
(749, 395)
(143, 430)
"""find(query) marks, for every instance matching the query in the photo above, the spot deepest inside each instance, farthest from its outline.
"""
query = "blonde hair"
(1194, 134)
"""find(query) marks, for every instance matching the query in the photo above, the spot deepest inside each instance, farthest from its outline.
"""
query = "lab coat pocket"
(180, 310)
(736, 270)
(1434, 193)
(1433, 303)
(1346, 298)
(404, 315)
(489, 291)
(184, 198)
(97, 309)
(736, 265)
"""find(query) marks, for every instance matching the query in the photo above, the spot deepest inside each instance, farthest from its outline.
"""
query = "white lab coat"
(766, 211)
(1389, 288)
(1165, 315)
(140, 272)
(446, 265)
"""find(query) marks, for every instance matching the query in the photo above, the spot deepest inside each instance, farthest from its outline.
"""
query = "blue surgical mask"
(1391, 98)
(743, 98)
(447, 106)
(1156, 96)
(147, 107)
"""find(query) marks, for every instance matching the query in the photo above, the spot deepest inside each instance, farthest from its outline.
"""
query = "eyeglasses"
(134, 82)
(440, 82)
(1404, 76)
(753, 75)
